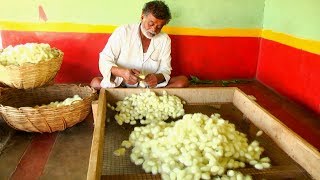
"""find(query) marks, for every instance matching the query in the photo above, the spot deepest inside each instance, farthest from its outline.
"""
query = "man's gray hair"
(158, 9)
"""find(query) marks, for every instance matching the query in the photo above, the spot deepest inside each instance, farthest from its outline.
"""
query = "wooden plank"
(94, 106)
(203, 95)
(295, 146)
(95, 161)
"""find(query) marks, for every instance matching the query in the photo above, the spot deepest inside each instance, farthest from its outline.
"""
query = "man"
(139, 50)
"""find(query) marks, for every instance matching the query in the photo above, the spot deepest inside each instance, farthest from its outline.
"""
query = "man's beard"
(148, 34)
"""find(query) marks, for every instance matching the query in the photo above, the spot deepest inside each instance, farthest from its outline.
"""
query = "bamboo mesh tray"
(30, 75)
(291, 156)
(114, 167)
(18, 109)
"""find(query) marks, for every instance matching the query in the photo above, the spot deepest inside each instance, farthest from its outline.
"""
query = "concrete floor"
(65, 155)
(60, 155)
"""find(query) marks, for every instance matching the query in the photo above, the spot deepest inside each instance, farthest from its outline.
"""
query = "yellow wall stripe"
(229, 32)
(86, 28)
(299, 43)
(56, 27)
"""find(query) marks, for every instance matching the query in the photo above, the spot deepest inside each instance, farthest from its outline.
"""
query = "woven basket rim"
(42, 107)
(12, 66)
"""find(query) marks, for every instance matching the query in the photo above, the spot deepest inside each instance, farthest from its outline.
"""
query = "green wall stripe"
(208, 14)
(295, 17)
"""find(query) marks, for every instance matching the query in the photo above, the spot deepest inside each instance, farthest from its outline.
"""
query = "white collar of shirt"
(153, 44)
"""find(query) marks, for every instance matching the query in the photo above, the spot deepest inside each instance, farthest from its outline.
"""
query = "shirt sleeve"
(108, 58)
(165, 62)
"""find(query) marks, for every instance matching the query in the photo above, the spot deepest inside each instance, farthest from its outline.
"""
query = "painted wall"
(214, 14)
(297, 18)
(1, 41)
(221, 42)
(203, 44)
(289, 62)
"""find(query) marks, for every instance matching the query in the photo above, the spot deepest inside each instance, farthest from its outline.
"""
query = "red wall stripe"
(215, 57)
(80, 63)
(291, 72)
(206, 57)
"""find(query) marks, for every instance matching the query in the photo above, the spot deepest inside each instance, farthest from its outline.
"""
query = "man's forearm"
(116, 71)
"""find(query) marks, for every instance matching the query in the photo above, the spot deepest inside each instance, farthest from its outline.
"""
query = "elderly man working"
(139, 52)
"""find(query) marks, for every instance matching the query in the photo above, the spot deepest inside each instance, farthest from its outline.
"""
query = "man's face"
(151, 24)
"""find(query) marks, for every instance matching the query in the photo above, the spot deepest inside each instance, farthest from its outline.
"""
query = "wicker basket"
(30, 75)
(17, 107)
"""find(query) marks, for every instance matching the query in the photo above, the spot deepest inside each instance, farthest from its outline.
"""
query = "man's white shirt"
(124, 49)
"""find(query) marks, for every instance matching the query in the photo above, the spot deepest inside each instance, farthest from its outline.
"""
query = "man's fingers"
(134, 78)
(152, 82)
(148, 78)
(136, 72)
(132, 81)
(152, 85)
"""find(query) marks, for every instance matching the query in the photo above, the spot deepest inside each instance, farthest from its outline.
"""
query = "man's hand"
(130, 76)
(153, 79)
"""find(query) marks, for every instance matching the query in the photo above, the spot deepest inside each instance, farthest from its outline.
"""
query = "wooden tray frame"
(296, 147)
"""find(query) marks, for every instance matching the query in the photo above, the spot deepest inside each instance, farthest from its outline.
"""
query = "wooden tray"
(284, 142)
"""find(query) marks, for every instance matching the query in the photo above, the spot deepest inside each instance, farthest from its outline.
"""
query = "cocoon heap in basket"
(30, 65)
(24, 109)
